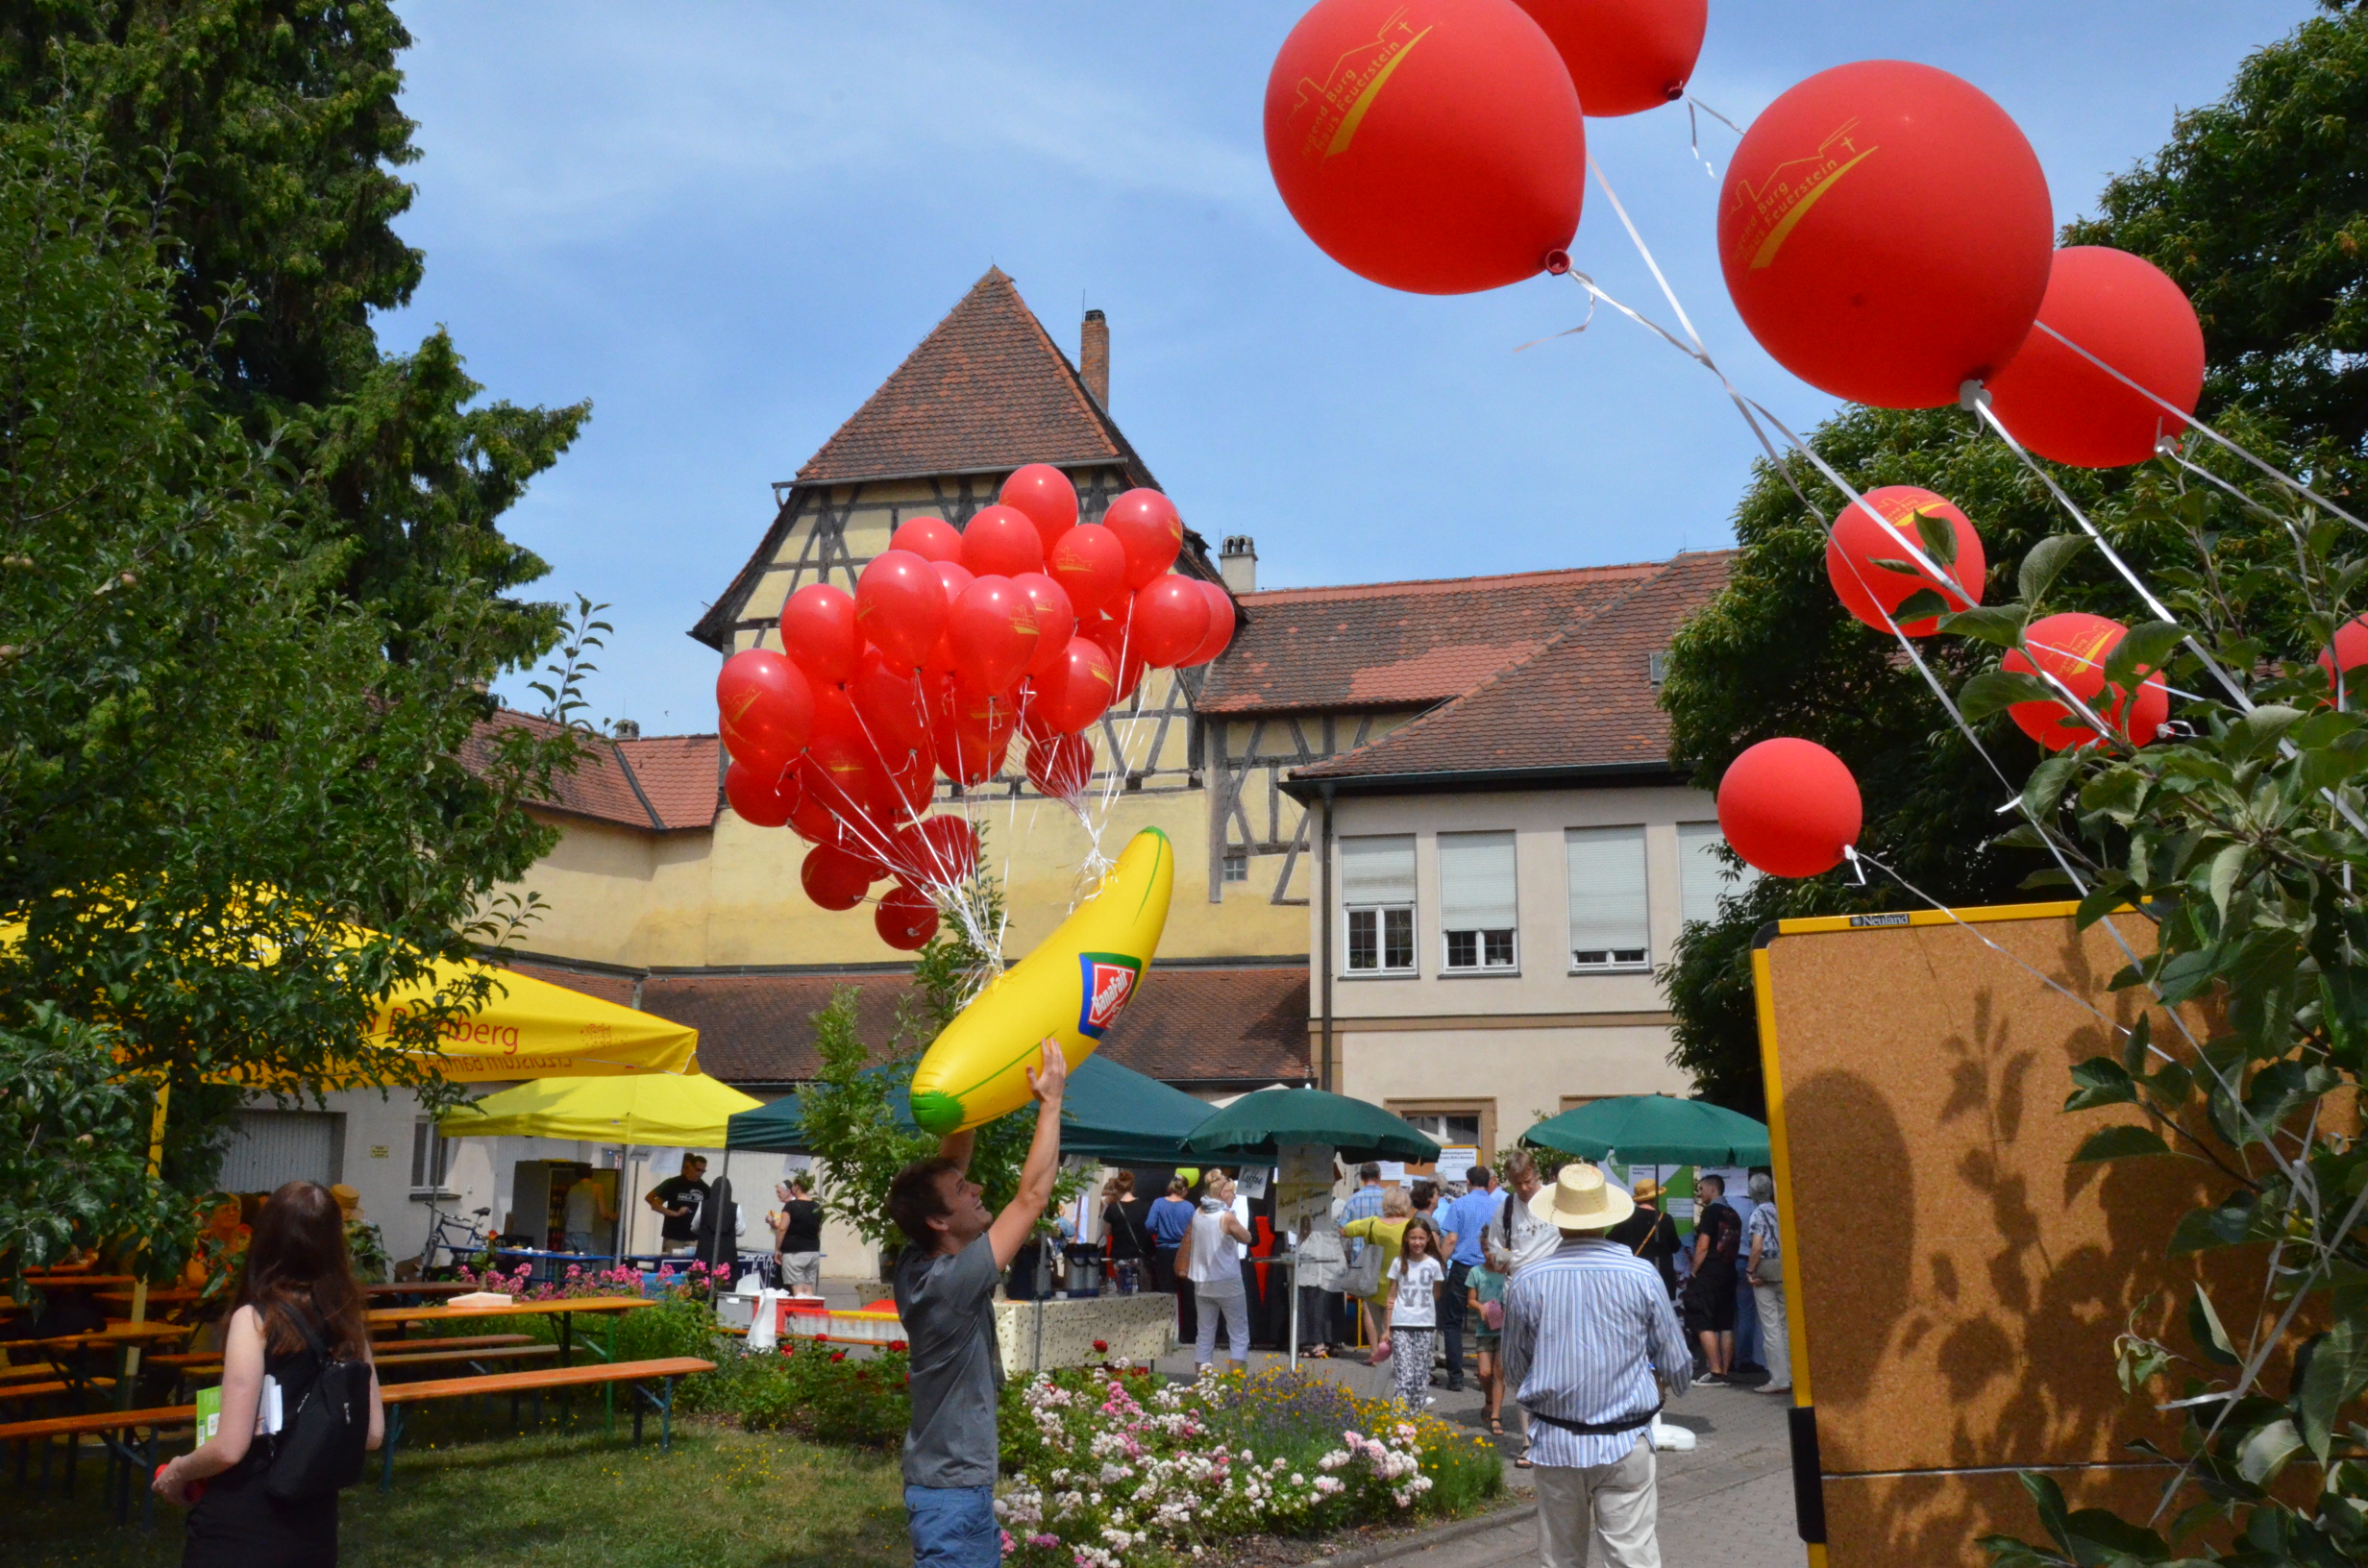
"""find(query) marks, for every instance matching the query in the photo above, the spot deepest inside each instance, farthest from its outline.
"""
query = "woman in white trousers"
(1765, 1269)
(1211, 1258)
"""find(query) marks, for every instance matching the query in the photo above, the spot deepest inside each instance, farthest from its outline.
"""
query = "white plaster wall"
(1526, 1072)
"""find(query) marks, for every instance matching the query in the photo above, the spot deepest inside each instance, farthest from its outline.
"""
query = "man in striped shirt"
(1592, 1346)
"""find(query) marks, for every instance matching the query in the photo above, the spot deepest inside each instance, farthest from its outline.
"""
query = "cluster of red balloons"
(1026, 623)
(1437, 146)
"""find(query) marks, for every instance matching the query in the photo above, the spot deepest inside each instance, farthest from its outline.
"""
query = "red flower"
(838, 1355)
(1101, 1347)
(821, 1339)
(899, 1344)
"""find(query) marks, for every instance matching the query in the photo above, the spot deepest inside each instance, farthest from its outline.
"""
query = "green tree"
(2254, 208)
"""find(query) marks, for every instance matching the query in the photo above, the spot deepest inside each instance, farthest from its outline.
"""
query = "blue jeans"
(954, 1527)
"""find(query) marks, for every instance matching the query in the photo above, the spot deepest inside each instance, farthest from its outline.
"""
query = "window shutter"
(1701, 876)
(1607, 889)
(1476, 882)
(1378, 870)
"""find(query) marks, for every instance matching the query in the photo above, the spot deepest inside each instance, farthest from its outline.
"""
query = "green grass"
(469, 1491)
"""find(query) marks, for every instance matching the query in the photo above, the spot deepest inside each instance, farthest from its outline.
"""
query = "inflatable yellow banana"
(1070, 988)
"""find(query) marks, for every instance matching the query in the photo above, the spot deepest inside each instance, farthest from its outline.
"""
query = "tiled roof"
(1398, 644)
(663, 784)
(1587, 700)
(1189, 1025)
(986, 389)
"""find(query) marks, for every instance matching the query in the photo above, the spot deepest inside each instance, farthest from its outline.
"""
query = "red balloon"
(1624, 55)
(1148, 529)
(1171, 619)
(1790, 807)
(970, 757)
(764, 707)
(993, 634)
(940, 851)
(1871, 592)
(904, 918)
(888, 700)
(834, 878)
(2126, 311)
(1061, 765)
(1055, 622)
(810, 818)
(1075, 691)
(818, 630)
(2073, 647)
(835, 716)
(931, 538)
(1885, 230)
(912, 781)
(901, 606)
(1045, 494)
(1429, 145)
(838, 772)
(1090, 565)
(1221, 619)
(1002, 542)
(759, 802)
(2351, 651)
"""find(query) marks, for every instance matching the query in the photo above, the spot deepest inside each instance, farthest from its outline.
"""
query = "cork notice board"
(1956, 1284)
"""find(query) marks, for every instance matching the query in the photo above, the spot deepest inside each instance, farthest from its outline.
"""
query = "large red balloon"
(1001, 542)
(940, 851)
(888, 700)
(1790, 807)
(1886, 232)
(1221, 624)
(1624, 55)
(1090, 564)
(2073, 647)
(901, 606)
(1871, 592)
(834, 716)
(904, 918)
(1061, 765)
(1148, 529)
(1429, 145)
(2126, 311)
(761, 803)
(1170, 620)
(1045, 494)
(818, 630)
(764, 708)
(2350, 652)
(834, 878)
(1077, 690)
(993, 633)
(1055, 621)
(931, 538)
(813, 821)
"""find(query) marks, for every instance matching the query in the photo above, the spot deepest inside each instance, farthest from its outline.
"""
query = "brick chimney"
(1094, 356)
(1237, 563)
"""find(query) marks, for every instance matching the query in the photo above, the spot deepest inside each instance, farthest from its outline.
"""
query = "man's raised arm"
(1012, 1227)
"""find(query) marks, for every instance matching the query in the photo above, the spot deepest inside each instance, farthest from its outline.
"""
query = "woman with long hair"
(1121, 1220)
(297, 1290)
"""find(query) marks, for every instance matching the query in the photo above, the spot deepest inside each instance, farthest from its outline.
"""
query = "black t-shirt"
(1122, 1218)
(804, 1231)
(677, 1192)
(1725, 1229)
(1651, 1235)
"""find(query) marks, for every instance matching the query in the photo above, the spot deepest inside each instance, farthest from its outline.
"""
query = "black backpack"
(322, 1443)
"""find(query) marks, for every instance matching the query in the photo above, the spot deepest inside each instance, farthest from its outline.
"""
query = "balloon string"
(1694, 134)
(1691, 103)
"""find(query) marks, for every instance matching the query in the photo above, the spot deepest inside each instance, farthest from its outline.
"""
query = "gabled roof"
(662, 784)
(1584, 701)
(987, 389)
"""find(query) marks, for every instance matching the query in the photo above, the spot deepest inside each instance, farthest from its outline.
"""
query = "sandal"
(1521, 1463)
(1496, 1425)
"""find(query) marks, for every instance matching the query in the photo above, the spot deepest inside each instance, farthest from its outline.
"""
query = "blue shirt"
(1589, 1333)
(1365, 1202)
(1170, 1218)
(1468, 1216)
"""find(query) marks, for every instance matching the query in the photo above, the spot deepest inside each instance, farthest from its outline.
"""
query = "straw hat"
(348, 1199)
(1581, 1200)
(1645, 1190)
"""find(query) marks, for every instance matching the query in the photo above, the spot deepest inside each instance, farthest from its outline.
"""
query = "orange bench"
(131, 1460)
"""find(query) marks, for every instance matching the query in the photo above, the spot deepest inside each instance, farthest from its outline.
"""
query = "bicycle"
(462, 1238)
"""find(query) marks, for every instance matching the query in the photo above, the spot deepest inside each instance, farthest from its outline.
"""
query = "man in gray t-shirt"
(945, 1289)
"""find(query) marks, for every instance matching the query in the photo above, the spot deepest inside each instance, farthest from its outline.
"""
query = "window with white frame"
(1377, 903)
(432, 1155)
(1609, 928)
(1476, 903)
(1702, 875)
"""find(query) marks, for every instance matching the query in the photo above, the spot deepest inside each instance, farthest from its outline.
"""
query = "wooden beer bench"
(130, 1458)
(639, 1375)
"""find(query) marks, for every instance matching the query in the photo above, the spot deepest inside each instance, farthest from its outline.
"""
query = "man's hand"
(1047, 1079)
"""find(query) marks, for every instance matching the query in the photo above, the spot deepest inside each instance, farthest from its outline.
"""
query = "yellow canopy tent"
(687, 1112)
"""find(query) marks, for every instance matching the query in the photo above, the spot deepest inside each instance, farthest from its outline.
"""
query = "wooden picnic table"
(564, 1309)
(419, 1288)
(59, 1351)
(46, 1281)
(171, 1295)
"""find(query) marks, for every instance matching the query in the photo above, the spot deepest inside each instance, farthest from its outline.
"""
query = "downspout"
(1323, 862)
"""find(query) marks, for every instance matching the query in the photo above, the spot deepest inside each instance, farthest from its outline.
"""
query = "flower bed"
(1108, 1463)
(813, 1388)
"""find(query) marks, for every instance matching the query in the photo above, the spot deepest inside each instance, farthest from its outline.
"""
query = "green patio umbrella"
(1655, 1130)
(1254, 1126)
(1110, 1112)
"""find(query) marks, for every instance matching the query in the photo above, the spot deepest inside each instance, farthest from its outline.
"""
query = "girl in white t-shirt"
(1415, 1280)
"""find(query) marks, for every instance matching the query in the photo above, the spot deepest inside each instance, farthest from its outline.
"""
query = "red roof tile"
(1587, 700)
(663, 784)
(1189, 1025)
(1398, 644)
(987, 388)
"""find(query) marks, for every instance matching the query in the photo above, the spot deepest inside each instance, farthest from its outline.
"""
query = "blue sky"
(725, 224)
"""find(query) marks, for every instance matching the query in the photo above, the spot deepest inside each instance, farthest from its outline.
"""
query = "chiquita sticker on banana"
(1069, 988)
